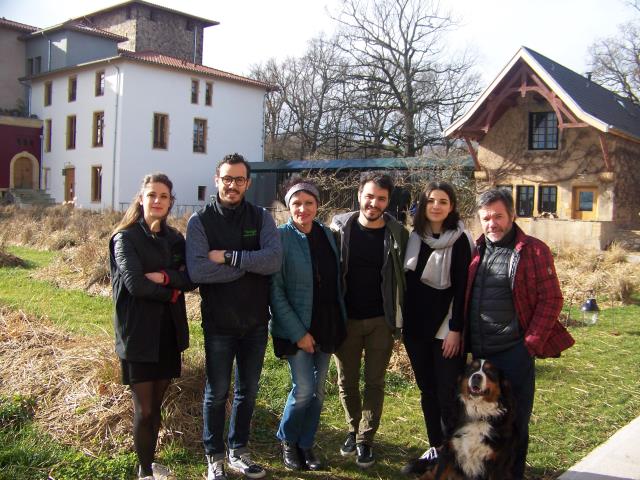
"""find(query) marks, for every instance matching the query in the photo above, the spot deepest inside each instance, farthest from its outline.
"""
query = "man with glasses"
(232, 249)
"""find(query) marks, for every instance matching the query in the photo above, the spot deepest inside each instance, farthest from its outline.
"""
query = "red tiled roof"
(79, 26)
(21, 27)
(167, 61)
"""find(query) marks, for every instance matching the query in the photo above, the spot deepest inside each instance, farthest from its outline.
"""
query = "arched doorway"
(23, 171)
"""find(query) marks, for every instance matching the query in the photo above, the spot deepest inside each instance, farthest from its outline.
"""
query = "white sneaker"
(430, 455)
(243, 464)
(160, 472)
(215, 470)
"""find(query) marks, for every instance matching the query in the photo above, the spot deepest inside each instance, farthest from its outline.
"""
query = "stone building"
(150, 27)
(567, 148)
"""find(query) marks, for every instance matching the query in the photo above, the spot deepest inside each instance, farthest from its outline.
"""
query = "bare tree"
(397, 47)
(616, 61)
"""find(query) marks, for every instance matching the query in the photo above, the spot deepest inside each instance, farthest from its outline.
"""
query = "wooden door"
(69, 184)
(585, 203)
(23, 173)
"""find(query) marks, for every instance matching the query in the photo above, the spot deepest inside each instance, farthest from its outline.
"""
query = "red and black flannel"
(537, 297)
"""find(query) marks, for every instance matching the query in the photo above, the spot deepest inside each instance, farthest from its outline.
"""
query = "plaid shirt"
(537, 297)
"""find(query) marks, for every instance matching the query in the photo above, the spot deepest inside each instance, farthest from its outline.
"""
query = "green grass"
(581, 399)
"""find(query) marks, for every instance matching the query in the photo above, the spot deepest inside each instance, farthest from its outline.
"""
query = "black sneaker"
(348, 448)
(420, 465)
(365, 456)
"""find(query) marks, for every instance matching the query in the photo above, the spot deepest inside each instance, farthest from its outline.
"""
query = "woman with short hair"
(308, 319)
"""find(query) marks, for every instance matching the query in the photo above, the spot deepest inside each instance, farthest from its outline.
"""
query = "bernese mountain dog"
(481, 444)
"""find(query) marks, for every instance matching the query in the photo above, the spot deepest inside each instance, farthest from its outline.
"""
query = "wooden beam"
(605, 151)
(473, 153)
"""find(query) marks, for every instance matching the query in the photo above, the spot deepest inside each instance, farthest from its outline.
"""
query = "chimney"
(588, 75)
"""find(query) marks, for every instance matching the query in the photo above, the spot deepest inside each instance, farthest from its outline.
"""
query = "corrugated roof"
(21, 27)
(167, 61)
(356, 164)
(205, 21)
(78, 26)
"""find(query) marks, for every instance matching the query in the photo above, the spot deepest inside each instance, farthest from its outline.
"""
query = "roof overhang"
(524, 56)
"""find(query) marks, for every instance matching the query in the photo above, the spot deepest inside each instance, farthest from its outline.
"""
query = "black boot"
(309, 459)
(290, 456)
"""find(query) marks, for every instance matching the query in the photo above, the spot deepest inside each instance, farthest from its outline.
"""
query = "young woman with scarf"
(436, 262)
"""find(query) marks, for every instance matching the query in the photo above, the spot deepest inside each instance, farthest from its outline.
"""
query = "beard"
(372, 214)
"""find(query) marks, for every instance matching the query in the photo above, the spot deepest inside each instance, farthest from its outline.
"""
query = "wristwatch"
(228, 255)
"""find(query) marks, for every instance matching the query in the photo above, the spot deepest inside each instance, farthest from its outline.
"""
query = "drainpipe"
(115, 139)
(49, 56)
(264, 124)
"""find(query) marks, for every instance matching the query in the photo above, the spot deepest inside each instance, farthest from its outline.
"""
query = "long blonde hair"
(134, 212)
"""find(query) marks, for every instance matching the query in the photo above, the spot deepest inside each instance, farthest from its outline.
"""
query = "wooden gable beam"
(605, 151)
(473, 153)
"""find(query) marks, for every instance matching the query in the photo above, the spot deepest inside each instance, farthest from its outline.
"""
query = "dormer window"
(543, 131)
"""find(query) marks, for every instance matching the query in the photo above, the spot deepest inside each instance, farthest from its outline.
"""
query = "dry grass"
(606, 275)
(75, 380)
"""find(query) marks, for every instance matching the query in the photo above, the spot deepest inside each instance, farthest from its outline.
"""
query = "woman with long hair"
(308, 319)
(148, 278)
(436, 262)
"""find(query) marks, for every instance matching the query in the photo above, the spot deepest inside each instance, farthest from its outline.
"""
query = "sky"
(253, 31)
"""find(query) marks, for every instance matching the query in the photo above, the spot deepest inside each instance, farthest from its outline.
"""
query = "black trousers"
(437, 379)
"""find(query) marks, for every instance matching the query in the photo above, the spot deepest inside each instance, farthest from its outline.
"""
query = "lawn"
(581, 399)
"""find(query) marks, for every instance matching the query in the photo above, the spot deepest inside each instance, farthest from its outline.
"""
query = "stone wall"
(626, 181)
(578, 161)
(167, 33)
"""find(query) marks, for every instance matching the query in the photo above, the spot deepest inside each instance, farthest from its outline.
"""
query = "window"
(199, 135)
(47, 135)
(160, 127)
(72, 88)
(37, 65)
(98, 129)
(586, 200)
(96, 184)
(48, 90)
(71, 132)
(543, 131)
(100, 83)
(208, 94)
(547, 199)
(202, 193)
(524, 200)
(194, 91)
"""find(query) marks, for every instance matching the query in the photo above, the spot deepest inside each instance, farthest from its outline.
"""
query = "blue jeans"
(519, 368)
(220, 351)
(301, 414)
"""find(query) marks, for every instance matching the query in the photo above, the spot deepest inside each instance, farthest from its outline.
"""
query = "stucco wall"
(166, 34)
(12, 66)
(578, 161)
(234, 124)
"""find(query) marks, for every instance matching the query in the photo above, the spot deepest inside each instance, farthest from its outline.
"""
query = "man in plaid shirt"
(512, 304)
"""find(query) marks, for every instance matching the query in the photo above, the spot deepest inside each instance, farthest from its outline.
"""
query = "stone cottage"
(567, 148)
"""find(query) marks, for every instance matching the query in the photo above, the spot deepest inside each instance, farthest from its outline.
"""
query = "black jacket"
(140, 303)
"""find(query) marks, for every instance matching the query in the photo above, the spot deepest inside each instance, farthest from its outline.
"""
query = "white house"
(110, 120)
(135, 114)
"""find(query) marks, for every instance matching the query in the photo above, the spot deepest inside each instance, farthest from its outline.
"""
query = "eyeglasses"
(228, 180)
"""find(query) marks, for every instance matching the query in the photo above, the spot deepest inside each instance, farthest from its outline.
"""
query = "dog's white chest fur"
(471, 450)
